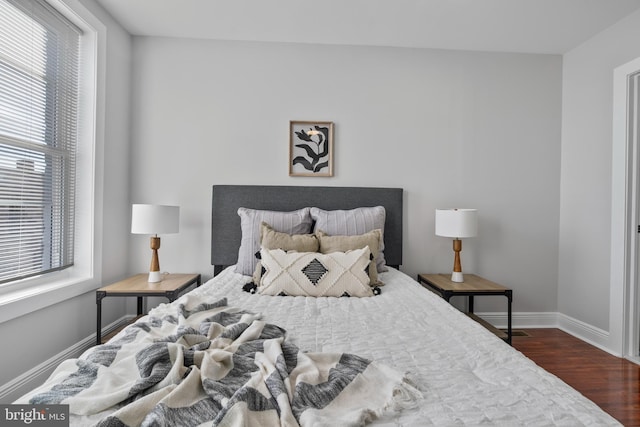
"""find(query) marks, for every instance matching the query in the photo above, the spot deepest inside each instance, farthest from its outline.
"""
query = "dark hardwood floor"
(611, 382)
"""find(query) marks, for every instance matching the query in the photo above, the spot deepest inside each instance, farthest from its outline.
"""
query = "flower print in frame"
(310, 148)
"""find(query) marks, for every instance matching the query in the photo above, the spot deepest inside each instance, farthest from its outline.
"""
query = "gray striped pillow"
(351, 223)
(295, 222)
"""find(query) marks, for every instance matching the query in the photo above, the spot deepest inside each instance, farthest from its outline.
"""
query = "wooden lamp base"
(457, 276)
(154, 269)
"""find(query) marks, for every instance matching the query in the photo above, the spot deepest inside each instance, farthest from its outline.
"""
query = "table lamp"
(457, 223)
(154, 219)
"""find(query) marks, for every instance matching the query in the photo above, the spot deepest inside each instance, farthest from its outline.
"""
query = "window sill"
(37, 293)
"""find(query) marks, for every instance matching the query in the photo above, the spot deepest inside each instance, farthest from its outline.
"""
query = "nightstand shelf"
(472, 286)
(497, 332)
(171, 287)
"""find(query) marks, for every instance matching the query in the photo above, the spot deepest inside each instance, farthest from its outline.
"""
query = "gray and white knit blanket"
(201, 363)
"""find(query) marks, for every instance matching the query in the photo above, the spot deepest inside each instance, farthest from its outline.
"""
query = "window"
(39, 95)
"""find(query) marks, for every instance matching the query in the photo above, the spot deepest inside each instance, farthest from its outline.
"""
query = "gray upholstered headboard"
(226, 199)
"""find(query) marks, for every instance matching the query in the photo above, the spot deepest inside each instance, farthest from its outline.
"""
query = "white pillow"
(314, 274)
(352, 222)
(295, 222)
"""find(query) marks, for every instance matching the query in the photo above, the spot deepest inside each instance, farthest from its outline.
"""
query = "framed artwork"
(310, 148)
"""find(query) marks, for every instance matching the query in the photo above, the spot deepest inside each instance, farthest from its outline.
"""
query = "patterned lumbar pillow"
(272, 239)
(314, 274)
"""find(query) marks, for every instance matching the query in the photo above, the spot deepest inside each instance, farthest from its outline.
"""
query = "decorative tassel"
(250, 287)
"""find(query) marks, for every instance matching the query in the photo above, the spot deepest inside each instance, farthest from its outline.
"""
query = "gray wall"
(454, 129)
(587, 128)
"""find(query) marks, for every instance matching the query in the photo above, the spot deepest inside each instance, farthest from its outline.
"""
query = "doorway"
(624, 310)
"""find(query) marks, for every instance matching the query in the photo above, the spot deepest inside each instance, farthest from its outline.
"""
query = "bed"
(450, 370)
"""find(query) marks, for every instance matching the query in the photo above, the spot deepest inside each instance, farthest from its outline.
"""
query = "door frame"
(624, 313)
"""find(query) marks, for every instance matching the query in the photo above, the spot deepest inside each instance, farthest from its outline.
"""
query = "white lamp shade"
(155, 219)
(457, 223)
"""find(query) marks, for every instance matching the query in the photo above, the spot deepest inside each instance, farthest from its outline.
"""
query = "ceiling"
(530, 26)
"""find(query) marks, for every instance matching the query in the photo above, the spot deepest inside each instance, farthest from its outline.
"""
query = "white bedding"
(467, 375)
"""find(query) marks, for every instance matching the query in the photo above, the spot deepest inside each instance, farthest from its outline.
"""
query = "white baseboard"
(583, 331)
(29, 380)
(587, 333)
(521, 320)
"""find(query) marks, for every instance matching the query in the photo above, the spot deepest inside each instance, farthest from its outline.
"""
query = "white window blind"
(39, 55)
